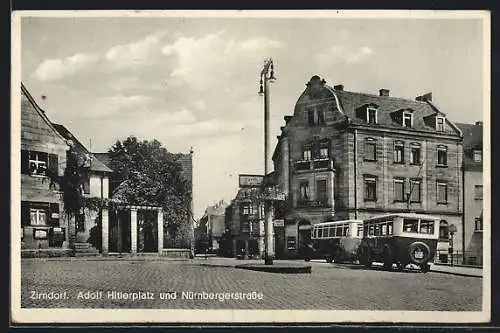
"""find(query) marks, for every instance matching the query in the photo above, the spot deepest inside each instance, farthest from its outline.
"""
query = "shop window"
(38, 216)
(444, 231)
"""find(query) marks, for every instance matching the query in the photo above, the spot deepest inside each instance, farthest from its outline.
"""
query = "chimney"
(425, 97)
(287, 119)
(339, 87)
(479, 123)
(384, 92)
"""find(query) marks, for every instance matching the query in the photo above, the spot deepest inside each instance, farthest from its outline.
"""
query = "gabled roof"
(41, 113)
(387, 107)
(473, 140)
(96, 164)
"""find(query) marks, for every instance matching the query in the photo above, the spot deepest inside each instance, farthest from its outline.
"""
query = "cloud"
(56, 69)
(134, 53)
(338, 53)
(215, 58)
(106, 107)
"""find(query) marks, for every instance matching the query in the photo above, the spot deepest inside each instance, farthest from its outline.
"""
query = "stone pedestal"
(133, 230)
(105, 231)
(160, 230)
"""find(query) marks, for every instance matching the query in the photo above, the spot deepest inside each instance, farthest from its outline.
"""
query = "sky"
(194, 81)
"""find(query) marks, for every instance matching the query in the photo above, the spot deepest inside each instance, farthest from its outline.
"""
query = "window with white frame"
(399, 152)
(38, 216)
(370, 184)
(304, 190)
(415, 154)
(415, 190)
(477, 155)
(478, 224)
(399, 189)
(371, 115)
(442, 192)
(38, 163)
(407, 119)
(324, 151)
(307, 153)
(478, 192)
(440, 124)
(442, 156)
(370, 150)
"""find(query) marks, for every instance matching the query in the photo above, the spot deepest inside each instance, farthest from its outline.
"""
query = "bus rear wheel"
(425, 268)
(365, 257)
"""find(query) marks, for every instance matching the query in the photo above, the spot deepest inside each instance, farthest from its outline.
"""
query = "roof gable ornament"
(315, 87)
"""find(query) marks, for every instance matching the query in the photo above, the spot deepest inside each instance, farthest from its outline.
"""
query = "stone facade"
(41, 207)
(337, 143)
(473, 192)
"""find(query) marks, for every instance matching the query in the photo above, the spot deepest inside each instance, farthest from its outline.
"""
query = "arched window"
(443, 230)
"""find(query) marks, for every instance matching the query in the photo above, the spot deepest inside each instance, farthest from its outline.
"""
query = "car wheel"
(425, 268)
(307, 259)
(329, 259)
(419, 252)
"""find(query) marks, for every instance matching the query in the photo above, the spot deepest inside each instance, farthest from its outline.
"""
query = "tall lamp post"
(266, 77)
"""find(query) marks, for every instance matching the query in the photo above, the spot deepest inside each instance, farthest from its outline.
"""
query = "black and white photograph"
(250, 166)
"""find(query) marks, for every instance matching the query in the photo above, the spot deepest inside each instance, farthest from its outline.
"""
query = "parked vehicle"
(335, 241)
(400, 239)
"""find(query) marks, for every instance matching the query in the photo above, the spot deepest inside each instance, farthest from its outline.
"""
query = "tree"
(145, 173)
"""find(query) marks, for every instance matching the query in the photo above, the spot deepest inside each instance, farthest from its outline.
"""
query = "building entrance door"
(147, 231)
(119, 231)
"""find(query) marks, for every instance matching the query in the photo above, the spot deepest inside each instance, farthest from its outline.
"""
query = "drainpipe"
(355, 177)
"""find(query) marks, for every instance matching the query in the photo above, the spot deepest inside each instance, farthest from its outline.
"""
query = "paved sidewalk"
(457, 270)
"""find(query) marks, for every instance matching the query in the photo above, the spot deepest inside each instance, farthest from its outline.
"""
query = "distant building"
(473, 192)
(212, 225)
(42, 148)
(350, 155)
(96, 185)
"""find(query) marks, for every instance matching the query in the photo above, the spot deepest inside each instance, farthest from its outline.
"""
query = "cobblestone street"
(329, 286)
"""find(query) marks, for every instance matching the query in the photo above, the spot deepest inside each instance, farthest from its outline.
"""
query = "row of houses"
(122, 228)
(350, 155)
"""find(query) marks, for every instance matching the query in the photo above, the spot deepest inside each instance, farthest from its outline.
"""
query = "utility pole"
(266, 77)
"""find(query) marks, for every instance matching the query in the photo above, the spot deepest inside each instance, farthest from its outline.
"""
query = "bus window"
(426, 227)
(338, 231)
(320, 232)
(346, 231)
(371, 230)
(377, 230)
(384, 229)
(389, 228)
(331, 231)
(410, 225)
(360, 231)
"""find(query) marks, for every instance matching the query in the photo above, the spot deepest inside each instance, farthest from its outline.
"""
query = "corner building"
(348, 155)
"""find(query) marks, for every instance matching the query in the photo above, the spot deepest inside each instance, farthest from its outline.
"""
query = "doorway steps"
(85, 250)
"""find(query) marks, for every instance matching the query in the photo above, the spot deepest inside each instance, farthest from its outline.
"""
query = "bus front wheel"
(329, 259)
(387, 259)
(365, 257)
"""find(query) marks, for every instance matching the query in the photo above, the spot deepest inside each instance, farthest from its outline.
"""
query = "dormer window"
(440, 124)
(371, 115)
(316, 116)
(407, 119)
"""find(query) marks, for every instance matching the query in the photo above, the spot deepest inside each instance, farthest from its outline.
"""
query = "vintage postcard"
(250, 167)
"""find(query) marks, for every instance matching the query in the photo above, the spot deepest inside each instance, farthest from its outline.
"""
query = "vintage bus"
(335, 241)
(399, 239)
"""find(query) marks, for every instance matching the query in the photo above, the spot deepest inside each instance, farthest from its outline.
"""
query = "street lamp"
(452, 230)
(266, 77)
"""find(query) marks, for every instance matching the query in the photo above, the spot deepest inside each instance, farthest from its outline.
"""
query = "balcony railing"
(313, 204)
(314, 164)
